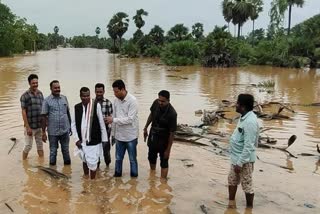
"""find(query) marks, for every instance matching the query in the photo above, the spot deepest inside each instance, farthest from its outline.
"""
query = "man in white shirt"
(125, 127)
(89, 132)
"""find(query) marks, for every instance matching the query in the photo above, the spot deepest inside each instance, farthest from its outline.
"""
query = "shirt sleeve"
(250, 137)
(132, 114)
(45, 107)
(74, 128)
(23, 101)
(104, 136)
(67, 103)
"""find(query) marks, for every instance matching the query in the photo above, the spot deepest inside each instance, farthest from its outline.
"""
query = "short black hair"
(246, 100)
(52, 82)
(118, 84)
(84, 89)
(164, 93)
(99, 85)
(32, 76)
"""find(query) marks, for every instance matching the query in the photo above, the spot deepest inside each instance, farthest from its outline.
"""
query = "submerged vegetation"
(276, 46)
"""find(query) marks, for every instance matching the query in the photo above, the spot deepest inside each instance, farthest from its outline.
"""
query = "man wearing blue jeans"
(55, 113)
(125, 127)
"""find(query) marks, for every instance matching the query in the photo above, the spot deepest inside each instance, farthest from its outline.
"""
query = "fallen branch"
(14, 143)
(9, 207)
(52, 172)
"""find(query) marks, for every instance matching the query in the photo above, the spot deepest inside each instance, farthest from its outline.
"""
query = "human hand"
(70, 132)
(78, 144)
(29, 131)
(113, 140)
(44, 137)
(108, 120)
(237, 169)
(145, 134)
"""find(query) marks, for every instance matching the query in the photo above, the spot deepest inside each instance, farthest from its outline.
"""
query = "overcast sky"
(75, 17)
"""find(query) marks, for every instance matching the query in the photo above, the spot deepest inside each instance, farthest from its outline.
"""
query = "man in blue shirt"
(55, 114)
(243, 144)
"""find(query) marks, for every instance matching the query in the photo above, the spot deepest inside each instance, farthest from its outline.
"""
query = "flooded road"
(28, 190)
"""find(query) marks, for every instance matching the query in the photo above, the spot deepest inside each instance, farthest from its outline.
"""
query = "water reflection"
(41, 192)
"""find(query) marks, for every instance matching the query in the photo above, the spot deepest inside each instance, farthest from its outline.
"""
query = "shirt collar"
(126, 97)
(51, 95)
(246, 115)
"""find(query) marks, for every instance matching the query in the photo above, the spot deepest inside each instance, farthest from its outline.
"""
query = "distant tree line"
(276, 45)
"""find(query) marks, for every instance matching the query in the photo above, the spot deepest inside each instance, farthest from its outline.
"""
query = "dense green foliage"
(275, 46)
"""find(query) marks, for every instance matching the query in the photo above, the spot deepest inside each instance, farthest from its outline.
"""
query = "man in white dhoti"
(89, 132)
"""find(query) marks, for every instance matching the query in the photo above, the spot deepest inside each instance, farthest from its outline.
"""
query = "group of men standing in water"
(98, 124)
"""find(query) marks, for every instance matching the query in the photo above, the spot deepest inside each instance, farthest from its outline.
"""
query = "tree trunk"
(252, 32)
(239, 30)
(289, 23)
(114, 44)
(120, 44)
(234, 30)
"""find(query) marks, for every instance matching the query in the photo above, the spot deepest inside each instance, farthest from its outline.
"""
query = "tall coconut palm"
(227, 11)
(237, 11)
(138, 18)
(257, 8)
(241, 11)
(197, 30)
(291, 3)
(111, 29)
(56, 29)
(122, 24)
(118, 26)
(98, 30)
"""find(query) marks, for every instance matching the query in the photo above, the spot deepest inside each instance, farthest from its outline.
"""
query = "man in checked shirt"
(106, 107)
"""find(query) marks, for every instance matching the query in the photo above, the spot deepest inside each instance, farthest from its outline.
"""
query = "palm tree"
(98, 30)
(118, 26)
(241, 11)
(257, 8)
(227, 11)
(291, 3)
(111, 29)
(138, 18)
(156, 35)
(197, 30)
(178, 32)
(56, 31)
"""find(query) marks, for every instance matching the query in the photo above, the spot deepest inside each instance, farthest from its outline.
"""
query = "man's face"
(239, 108)
(99, 93)
(163, 102)
(55, 89)
(85, 97)
(33, 84)
(119, 93)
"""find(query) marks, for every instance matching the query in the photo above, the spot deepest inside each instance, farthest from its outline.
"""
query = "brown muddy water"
(278, 190)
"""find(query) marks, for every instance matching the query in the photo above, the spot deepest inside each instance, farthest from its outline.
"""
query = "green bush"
(153, 51)
(130, 49)
(180, 53)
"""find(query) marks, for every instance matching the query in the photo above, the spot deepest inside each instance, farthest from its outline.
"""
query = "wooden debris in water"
(204, 209)
(9, 207)
(14, 143)
(52, 172)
